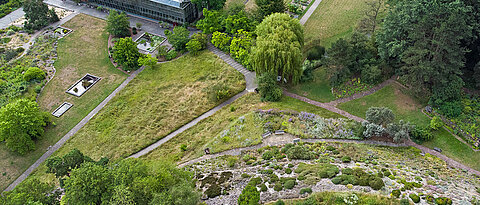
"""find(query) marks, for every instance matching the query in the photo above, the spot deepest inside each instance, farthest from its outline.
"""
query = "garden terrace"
(409, 109)
(334, 167)
(82, 51)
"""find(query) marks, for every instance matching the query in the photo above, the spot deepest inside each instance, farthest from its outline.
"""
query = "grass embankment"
(155, 103)
(334, 19)
(83, 51)
(407, 108)
(319, 89)
(197, 138)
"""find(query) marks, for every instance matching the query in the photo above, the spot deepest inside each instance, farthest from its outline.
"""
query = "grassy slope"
(408, 109)
(197, 137)
(319, 89)
(83, 51)
(334, 19)
(155, 103)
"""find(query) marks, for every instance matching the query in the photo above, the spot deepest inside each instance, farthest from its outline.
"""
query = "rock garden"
(298, 170)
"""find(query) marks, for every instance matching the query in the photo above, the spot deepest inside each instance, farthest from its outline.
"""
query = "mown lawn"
(83, 51)
(334, 19)
(319, 89)
(198, 137)
(407, 108)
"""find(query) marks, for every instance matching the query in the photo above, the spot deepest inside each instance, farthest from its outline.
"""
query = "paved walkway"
(249, 75)
(11, 17)
(72, 131)
(310, 11)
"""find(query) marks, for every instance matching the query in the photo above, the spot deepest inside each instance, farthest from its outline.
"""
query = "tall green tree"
(21, 122)
(240, 47)
(267, 7)
(278, 47)
(118, 24)
(31, 191)
(125, 53)
(239, 21)
(268, 88)
(179, 38)
(424, 38)
(38, 15)
(212, 21)
(209, 4)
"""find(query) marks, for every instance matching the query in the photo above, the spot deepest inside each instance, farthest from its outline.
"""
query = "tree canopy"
(179, 38)
(38, 15)
(125, 53)
(118, 24)
(267, 7)
(423, 40)
(278, 47)
(21, 122)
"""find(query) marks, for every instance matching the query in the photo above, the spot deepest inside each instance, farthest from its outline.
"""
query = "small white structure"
(83, 85)
(62, 109)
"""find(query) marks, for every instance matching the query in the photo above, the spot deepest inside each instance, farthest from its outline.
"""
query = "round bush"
(306, 190)
(267, 155)
(376, 183)
(289, 184)
(278, 187)
(404, 202)
(396, 193)
(415, 198)
(347, 171)
(337, 180)
(33, 73)
(346, 159)
(288, 171)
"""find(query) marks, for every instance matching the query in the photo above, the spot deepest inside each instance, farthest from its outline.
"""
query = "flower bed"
(350, 87)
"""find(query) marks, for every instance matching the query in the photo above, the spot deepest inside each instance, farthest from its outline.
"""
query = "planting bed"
(62, 109)
(149, 42)
(83, 85)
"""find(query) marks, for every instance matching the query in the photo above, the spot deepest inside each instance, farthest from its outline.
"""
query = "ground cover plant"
(195, 140)
(409, 109)
(88, 43)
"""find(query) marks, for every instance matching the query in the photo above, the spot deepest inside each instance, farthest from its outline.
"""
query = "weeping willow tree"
(278, 47)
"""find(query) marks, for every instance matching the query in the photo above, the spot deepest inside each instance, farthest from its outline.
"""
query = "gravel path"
(74, 130)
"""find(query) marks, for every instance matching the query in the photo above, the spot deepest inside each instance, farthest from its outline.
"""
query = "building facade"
(173, 11)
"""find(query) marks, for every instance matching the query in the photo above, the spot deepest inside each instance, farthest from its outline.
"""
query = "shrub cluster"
(359, 177)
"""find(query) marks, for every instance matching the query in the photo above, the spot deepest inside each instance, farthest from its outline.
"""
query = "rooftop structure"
(173, 11)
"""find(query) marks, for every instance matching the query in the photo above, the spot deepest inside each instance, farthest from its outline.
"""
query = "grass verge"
(319, 89)
(83, 51)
